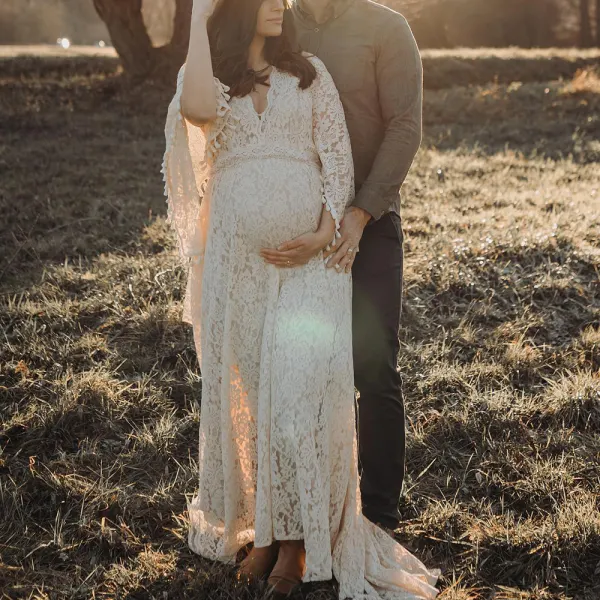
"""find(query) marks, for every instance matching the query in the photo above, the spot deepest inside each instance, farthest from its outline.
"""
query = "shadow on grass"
(548, 119)
(83, 175)
(548, 282)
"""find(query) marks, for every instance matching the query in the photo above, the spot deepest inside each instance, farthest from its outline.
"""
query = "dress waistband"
(229, 159)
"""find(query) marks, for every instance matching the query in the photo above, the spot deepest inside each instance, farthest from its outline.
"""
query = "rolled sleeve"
(399, 75)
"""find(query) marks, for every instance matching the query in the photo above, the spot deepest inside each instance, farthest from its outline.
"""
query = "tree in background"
(496, 23)
(133, 25)
(130, 37)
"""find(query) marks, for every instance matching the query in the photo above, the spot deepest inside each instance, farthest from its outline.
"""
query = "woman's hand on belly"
(298, 251)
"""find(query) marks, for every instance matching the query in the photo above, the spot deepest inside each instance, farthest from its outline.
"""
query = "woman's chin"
(273, 31)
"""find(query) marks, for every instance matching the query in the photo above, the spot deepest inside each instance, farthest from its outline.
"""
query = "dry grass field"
(100, 389)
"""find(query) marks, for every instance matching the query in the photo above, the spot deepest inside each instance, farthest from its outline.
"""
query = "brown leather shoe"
(391, 532)
(258, 564)
(286, 576)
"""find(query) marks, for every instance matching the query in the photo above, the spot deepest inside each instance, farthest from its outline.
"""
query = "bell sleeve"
(189, 151)
(332, 141)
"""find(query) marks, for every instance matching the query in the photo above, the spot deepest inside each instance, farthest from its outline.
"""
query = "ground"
(500, 355)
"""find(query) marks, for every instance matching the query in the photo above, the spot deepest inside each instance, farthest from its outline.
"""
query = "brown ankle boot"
(259, 562)
(286, 576)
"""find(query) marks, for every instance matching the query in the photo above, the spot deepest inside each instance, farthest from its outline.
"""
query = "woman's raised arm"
(198, 98)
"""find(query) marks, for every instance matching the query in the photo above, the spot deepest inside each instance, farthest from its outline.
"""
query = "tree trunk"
(130, 38)
(181, 28)
(127, 30)
(585, 23)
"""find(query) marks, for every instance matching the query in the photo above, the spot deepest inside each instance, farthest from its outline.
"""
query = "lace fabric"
(277, 440)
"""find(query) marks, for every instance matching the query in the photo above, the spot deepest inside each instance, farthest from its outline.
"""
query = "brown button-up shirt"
(373, 58)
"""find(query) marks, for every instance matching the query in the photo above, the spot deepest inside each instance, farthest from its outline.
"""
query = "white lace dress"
(278, 447)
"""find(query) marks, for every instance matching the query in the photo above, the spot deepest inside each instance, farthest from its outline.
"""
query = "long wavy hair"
(231, 29)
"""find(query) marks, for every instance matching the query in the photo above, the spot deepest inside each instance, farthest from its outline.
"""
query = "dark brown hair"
(231, 29)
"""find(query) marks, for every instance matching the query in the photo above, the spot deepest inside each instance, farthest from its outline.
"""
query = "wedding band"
(350, 250)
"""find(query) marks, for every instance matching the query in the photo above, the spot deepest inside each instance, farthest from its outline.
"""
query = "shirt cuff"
(371, 201)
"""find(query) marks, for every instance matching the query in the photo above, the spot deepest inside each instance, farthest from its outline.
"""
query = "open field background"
(99, 385)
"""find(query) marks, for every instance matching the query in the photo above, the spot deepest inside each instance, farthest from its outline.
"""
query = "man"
(375, 63)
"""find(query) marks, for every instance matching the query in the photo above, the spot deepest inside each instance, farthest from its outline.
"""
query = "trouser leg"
(377, 303)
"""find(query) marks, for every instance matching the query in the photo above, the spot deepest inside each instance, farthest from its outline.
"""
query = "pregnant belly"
(272, 200)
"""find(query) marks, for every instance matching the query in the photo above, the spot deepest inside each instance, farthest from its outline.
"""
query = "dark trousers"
(376, 306)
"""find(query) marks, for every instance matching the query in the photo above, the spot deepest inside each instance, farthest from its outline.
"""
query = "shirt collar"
(335, 9)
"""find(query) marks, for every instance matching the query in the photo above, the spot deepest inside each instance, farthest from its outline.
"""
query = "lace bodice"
(285, 128)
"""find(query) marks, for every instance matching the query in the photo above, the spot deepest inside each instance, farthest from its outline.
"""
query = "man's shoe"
(391, 532)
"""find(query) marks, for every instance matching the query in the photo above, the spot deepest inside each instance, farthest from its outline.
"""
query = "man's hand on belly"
(341, 256)
(298, 251)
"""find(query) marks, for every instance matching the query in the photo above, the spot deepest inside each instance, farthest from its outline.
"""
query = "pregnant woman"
(258, 172)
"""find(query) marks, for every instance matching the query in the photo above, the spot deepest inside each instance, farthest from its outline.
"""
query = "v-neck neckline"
(269, 99)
